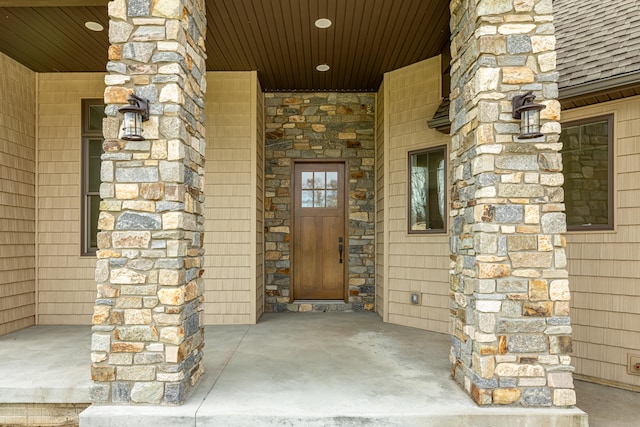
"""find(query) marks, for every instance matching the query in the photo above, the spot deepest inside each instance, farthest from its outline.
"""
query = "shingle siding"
(604, 267)
(67, 290)
(17, 196)
(414, 263)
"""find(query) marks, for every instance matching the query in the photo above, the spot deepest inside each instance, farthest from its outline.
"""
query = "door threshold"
(318, 301)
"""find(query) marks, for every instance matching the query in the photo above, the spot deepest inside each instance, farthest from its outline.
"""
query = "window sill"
(592, 231)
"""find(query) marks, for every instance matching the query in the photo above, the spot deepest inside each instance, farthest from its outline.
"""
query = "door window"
(319, 190)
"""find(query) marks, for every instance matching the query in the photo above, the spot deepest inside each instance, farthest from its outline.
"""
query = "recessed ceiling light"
(93, 26)
(323, 67)
(323, 23)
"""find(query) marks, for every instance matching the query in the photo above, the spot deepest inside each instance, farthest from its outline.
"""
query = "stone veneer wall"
(148, 332)
(320, 126)
(17, 196)
(509, 284)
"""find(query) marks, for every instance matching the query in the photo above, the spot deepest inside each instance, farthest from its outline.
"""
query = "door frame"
(345, 190)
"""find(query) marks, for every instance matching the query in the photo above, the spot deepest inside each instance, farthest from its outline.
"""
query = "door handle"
(340, 248)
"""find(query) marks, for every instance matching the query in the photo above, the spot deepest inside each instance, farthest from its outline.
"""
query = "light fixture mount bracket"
(524, 102)
(137, 104)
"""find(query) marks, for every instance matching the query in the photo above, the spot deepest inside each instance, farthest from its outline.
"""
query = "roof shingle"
(593, 39)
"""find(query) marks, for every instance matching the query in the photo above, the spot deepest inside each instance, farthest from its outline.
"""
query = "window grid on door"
(319, 190)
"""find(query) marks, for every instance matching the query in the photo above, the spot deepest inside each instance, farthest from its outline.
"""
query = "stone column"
(511, 330)
(147, 334)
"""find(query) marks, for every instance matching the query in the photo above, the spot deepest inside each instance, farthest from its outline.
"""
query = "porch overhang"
(277, 39)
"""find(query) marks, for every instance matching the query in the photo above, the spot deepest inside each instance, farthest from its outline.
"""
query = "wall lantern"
(134, 114)
(529, 114)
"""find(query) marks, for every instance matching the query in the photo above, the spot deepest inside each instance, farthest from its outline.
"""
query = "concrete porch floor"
(312, 369)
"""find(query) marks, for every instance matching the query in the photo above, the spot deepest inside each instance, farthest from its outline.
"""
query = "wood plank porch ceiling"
(275, 37)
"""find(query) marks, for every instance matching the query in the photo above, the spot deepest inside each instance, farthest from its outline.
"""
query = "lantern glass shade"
(132, 126)
(529, 114)
(133, 115)
(530, 124)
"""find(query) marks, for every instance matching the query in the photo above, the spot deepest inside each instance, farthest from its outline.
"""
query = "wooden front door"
(319, 240)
